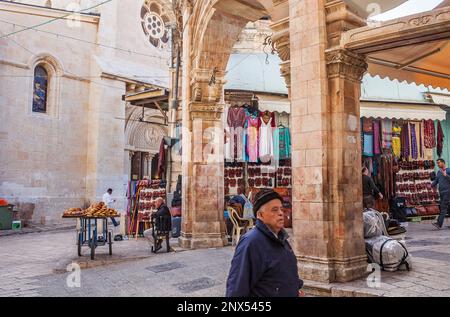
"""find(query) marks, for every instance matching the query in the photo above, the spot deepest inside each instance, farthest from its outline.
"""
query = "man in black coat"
(162, 211)
(264, 264)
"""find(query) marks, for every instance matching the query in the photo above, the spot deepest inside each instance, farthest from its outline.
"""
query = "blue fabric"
(263, 266)
(368, 144)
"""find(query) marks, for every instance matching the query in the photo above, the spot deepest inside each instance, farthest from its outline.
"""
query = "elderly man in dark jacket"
(264, 264)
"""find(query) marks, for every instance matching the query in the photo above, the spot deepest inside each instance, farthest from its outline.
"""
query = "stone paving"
(36, 265)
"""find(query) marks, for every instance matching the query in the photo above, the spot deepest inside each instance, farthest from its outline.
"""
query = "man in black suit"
(162, 211)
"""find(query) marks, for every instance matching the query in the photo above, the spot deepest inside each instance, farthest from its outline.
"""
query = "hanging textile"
(367, 125)
(414, 148)
(419, 141)
(395, 141)
(405, 141)
(362, 134)
(439, 139)
(281, 119)
(376, 138)
(251, 141)
(227, 134)
(236, 120)
(282, 143)
(429, 134)
(387, 175)
(386, 130)
(162, 160)
(368, 144)
(368, 162)
(265, 140)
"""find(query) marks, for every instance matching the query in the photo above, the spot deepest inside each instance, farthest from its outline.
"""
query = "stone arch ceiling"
(141, 135)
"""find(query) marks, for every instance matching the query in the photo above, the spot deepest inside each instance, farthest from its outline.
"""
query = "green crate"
(16, 225)
(6, 217)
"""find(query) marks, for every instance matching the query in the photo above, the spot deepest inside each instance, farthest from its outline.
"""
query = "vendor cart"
(88, 234)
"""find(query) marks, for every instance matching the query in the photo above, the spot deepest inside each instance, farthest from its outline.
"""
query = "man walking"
(264, 264)
(442, 180)
(370, 190)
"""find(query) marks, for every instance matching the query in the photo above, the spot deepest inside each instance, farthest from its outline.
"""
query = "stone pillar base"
(202, 241)
(332, 270)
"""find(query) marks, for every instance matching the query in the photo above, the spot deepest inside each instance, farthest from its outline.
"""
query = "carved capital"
(345, 64)
(281, 38)
(205, 111)
(207, 85)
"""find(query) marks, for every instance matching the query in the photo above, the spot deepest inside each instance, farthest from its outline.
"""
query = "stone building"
(72, 98)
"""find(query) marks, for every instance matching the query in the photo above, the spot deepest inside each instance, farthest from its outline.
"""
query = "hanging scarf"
(414, 149)
(386, 126)
(429, 134)
(440, 139)
(376, 137)
(405, 141)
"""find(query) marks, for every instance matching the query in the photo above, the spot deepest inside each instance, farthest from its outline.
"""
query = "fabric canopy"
(402, 111)
(427, 64)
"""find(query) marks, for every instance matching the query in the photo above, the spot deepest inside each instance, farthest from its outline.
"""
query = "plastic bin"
(6, 217)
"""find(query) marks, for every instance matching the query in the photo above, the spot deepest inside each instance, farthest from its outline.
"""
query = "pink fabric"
(376, 137)
(252, 139)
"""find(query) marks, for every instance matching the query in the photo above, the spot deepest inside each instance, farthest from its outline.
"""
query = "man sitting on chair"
(162, 211)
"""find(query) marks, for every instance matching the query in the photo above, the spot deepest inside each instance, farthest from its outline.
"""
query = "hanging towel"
(440, 139)
(386, 125)
(368, 144)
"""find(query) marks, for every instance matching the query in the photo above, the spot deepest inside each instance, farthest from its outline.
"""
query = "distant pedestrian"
(264, 264)
(370, 190)
(109, 202)
(442, 180)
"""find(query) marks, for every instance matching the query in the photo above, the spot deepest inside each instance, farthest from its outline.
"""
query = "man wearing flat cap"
(264, 264)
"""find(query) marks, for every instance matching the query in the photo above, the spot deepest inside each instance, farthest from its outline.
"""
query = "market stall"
(400, 143)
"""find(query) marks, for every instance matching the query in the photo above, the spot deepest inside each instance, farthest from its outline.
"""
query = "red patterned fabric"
(440, 139)
(429, 134)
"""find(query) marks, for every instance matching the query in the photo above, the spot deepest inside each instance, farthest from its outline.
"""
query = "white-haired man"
(162, 211)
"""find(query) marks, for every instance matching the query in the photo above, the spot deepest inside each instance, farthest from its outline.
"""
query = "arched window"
(40, 89)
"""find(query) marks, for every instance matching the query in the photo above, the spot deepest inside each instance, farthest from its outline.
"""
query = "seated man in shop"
(162, 211)
(370, 190)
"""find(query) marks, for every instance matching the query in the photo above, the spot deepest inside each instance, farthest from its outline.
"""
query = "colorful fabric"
(414, 149)
(368, 144)
(439, 139)
(429, 134)
(405, 141)
(265, 140)
(282, 143)
(386, 130)
(252, 139)
(419, 140)
(376, 138)
(396, 146)
(367, 125)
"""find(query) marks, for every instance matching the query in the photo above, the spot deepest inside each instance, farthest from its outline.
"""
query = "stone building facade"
(83, 141)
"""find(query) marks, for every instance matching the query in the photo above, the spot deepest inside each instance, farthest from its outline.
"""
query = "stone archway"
(325, 88)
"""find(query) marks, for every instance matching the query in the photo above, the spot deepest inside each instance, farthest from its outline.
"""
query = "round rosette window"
(154, 22)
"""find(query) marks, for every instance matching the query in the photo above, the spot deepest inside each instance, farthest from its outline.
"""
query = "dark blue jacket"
(263, 266)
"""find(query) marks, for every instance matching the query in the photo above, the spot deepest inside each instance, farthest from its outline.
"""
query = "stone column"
(327, 195)
(202, 185)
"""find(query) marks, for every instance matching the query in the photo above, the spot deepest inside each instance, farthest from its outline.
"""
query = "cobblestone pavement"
(31, 265)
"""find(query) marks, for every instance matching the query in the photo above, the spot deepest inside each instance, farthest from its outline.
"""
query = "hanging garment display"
(282, 119)
(368, 144)
(439, 139)
(414, 147)
(386, 131)
(282, 143)
(405, 141)
(236, 120)
(361, 121)
(227, 134)
(251, 139)
(376, 138)
(367, 125)
(429, 134)
(265, 140)
(419, 140)
(387, 175)
(395, 141)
